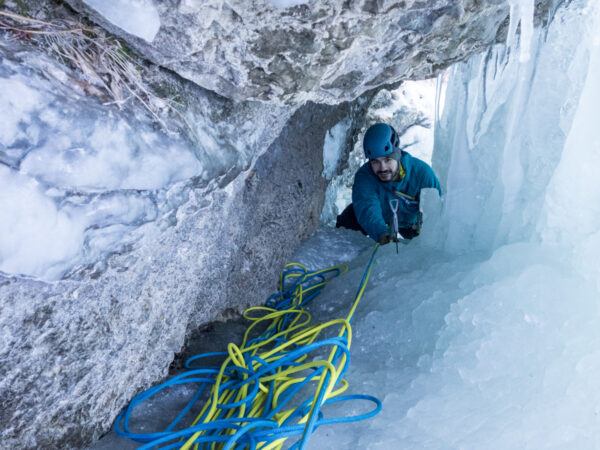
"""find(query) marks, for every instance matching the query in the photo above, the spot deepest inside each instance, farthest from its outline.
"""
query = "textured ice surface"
(329, 247)
(504, 128)
(287, 3)
(333, 148)
(521, 14)
(137, 17)
(483, 332)
(77, 182)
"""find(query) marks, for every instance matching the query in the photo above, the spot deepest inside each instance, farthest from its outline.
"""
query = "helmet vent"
(394, 138)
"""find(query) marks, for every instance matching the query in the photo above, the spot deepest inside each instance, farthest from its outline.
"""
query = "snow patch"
(283, 4)
(137, 17)
(333, 147)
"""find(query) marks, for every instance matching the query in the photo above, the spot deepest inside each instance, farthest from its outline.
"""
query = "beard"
(385, 175)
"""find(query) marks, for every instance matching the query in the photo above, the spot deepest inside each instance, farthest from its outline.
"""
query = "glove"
(386, 238)
(417, 226)
(414, 230)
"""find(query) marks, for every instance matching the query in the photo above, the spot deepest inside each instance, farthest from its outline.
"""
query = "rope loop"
(258, 395)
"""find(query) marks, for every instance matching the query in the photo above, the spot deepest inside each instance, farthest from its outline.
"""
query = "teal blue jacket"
(371, 197)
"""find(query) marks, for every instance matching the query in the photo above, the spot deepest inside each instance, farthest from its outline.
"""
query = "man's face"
(385, 167)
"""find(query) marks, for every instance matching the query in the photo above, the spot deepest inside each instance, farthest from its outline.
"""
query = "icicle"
(527, 9)
(521, 11)
(514, 21)
(438, 98)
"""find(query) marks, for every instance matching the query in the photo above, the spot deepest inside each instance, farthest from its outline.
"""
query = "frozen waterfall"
(484, 332)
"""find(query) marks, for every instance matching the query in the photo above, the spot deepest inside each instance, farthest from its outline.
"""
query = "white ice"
(283, 4)
(137, 17)
(335, 139)
(76, 182)
(521, 13)
(482, 332)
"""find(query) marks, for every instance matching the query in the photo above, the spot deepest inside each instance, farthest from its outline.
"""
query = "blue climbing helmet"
(380, 140)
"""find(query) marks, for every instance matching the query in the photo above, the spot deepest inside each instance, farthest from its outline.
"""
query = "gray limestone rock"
(324, 51)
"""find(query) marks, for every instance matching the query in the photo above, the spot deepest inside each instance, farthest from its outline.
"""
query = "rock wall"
(326, 51)
(74, 352)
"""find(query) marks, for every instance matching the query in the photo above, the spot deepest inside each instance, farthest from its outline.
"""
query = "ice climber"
(389, 174)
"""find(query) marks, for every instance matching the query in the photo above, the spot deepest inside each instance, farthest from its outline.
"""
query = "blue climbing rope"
(257, 398)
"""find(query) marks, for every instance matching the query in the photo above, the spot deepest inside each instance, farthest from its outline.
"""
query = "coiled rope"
(256, 397)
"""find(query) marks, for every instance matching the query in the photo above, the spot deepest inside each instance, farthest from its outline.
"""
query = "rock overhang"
(319, 51)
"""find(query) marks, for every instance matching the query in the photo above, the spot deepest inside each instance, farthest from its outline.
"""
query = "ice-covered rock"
(136, 17)
(117, 239)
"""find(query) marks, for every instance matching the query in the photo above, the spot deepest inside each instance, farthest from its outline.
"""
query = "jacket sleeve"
(367, 206)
